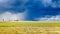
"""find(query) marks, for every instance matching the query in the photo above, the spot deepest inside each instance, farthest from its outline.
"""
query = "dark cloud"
(12, 5)
(36, 8)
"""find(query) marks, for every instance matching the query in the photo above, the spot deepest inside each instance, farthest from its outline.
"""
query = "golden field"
(29, 28)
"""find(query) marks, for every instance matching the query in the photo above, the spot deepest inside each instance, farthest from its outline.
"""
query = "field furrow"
(29, 30)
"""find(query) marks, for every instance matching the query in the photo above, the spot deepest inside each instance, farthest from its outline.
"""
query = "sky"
(30, 10)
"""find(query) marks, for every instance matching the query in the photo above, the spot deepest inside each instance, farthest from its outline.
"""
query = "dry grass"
(29, 27)
(29, 30)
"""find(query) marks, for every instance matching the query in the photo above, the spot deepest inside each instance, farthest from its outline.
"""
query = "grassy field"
(17, 27)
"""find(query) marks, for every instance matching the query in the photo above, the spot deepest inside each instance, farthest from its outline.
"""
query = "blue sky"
(30, 10)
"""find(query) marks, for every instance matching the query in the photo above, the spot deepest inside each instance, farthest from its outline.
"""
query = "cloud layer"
(52, 18)
(35, 9)
(10, 16)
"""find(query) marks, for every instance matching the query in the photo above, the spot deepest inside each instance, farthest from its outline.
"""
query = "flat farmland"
(36, 27)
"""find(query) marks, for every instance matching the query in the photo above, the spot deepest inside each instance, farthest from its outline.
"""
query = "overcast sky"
(30, 10)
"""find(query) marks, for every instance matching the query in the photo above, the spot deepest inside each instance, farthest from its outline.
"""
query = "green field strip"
(32, 24)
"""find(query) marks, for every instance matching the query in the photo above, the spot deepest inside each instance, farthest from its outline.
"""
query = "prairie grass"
(16, 27)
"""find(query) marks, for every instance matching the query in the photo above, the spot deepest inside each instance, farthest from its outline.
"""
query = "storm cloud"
(34, 8)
